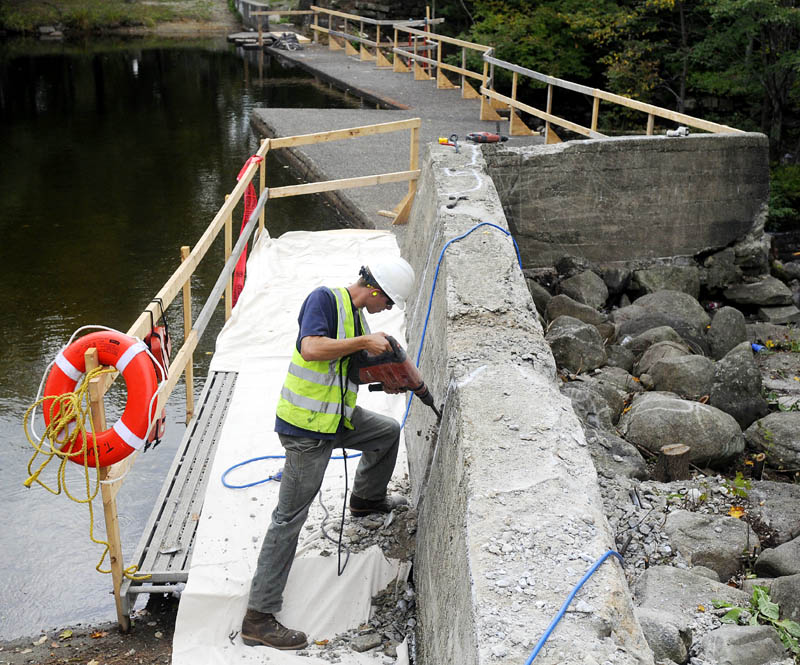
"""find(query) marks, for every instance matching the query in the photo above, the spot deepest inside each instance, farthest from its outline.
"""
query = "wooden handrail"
(596, 94)
(487, 91)
(179, 281)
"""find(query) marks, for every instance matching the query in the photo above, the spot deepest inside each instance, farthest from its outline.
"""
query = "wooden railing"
(416, 57)
(596, 94)
(343, 38)
(179, 282)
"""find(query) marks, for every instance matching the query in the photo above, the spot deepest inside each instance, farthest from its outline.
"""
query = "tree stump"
(672, 463)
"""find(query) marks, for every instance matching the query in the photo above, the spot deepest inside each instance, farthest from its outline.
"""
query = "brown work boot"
(260, 628)
(360, 507)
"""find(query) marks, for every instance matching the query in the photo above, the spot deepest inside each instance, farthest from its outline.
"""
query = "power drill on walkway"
(392, 371)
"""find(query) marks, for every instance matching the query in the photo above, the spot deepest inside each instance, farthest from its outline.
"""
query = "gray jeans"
(376, 436)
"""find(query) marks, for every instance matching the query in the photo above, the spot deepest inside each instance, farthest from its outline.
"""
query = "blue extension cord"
(277, 476)
(419, 353)
(563, 609)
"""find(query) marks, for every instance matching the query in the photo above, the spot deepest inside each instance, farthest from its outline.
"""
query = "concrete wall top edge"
(508, 463)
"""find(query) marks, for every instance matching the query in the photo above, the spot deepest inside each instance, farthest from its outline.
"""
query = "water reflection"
(111, 158)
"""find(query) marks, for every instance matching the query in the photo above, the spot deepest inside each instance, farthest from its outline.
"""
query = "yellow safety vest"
(311, 397)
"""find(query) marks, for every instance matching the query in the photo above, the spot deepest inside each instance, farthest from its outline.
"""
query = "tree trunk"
(672, 463)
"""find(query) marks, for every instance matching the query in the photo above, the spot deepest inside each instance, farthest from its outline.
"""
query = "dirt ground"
(149, 641)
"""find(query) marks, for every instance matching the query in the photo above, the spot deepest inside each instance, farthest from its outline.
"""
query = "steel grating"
(165, 548)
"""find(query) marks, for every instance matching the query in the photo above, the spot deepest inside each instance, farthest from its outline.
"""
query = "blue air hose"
(419, 352)
(277, 476)
(563, 609)
(433, 287)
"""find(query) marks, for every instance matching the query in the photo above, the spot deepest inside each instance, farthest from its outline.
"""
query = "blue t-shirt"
(318, 318)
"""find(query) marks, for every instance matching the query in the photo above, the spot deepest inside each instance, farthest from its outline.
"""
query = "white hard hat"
(395, 277)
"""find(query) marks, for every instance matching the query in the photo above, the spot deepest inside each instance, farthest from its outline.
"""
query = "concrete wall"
(245, 7)
(505, 485)
(632, 198)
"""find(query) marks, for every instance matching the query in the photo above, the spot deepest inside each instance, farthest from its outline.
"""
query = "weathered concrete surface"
(625, 199)
(510, 512)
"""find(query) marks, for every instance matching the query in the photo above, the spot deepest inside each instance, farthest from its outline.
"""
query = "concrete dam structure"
(507, 490)
(633, 199)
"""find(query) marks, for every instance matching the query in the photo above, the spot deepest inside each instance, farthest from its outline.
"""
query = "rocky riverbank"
(706, 355)
(53, 21)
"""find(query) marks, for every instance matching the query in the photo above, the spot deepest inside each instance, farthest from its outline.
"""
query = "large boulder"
(728, 329)
(563, 305)
(613, 456)
(677, 310)
(656, 353)
(785, 591)
(673, 278)
(781, 560)
(679, 593)
(778, 435)
(541, 296)
(663, 636)
(720, 269)
(767, 291)
(736, 386)
(752, 253)
(688, 376)
(780, 314)
(639, 344)
(676, 303)
(619, 356)
(777, 506)
(657, 419)
(741, 645)
(713, 541)
(589, 405)
(619, 379)
(576, 346)
(586, 287)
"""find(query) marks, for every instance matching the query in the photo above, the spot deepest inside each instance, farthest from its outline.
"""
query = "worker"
(316, 413)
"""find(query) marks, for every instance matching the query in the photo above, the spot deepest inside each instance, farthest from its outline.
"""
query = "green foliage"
(731, 61)
(538, 37)
(784, 198)
(96, 15)
(764, 611)
(738, 486)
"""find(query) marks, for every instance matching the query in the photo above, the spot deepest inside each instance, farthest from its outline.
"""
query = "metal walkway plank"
(165, 548)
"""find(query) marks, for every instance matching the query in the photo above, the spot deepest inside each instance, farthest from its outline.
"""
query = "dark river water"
(112, 156)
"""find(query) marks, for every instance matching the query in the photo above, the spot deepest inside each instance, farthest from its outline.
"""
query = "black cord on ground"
(339, 567)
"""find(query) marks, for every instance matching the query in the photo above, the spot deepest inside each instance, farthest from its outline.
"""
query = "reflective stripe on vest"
(311, 397)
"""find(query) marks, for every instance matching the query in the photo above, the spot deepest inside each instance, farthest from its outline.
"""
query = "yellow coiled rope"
(69, 414)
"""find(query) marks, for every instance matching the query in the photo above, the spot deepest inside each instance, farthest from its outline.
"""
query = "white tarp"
(257, 342)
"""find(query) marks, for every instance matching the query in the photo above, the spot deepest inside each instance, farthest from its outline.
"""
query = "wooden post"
(403, 209)
(464, 67)
(672, 463)
(98, 412)
(515, 125)
(595, 113)
(187, 328)
(650, 123)
(758, 466)
(316, 25)
(228, 247)
(548, 109)
(262, 185)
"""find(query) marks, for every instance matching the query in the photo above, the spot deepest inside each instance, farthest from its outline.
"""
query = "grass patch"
(24, 16)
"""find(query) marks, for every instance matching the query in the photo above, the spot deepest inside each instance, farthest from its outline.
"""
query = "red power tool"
(390, 369)
(486, 137)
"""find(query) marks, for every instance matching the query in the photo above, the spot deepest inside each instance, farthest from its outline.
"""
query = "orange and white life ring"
(129, 356)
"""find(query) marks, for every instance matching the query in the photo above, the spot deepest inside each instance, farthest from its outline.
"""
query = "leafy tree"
(752, 55)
